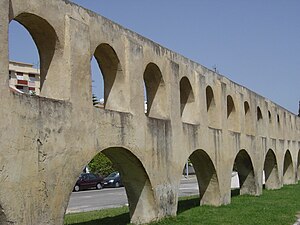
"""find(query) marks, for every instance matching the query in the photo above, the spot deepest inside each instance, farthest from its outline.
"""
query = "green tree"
(102, 165)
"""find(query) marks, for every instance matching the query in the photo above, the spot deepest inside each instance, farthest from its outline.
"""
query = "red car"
(87, 181)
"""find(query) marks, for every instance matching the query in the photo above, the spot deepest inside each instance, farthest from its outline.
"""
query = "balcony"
(31, 84)
(22, 82)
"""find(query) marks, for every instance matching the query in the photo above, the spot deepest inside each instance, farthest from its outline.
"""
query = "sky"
(253, 43)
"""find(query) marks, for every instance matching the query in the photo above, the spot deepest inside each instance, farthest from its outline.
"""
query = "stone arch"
(112, 72)
(187, 100)
(244, 167)
(258, 114)
(231, 113)
(208, 182)
(210, 101)
(288, 169)
(230, 106)
(271, 171)
(155, 92)
(246, 108)
(247, 117)
(211, 106)
(270, 116)
(46, 41)
(139, 191)
(137, 184)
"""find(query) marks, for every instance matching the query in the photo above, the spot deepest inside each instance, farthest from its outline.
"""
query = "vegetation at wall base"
(273, 207)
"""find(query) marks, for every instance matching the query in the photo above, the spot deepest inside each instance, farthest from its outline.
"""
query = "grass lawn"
(276, 207)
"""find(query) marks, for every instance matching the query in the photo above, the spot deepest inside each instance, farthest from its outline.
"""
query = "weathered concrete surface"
(193, 112)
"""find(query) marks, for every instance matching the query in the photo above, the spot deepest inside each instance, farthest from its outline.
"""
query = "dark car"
(87, 181)
(113, 180)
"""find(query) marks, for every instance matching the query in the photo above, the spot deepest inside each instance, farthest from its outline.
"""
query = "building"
(24, 78)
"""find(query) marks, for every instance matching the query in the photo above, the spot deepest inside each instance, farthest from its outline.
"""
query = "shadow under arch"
(231, 114)
(271, 171)
(187, 101)
(45, 38)
(247, 117)
(112, 72)
(155, 91)
(244, 167)
(209, 190)
(211, 107)
(288, 169)
(142, 207)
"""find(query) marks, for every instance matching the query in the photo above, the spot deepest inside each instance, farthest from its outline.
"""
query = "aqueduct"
(192, 112)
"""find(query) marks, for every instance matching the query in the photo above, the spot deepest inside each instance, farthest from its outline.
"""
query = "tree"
(102, 165)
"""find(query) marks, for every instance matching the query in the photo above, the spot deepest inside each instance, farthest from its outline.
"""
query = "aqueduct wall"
(192, 113)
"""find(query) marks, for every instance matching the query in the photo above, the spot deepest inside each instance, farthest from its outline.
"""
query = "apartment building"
(24, 78)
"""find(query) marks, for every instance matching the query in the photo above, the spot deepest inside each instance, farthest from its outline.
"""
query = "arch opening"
(211, 107)
(231, 114)
(31, 76)
(271, 171)
(111, 70)
(288, 169)
(187, 101)
(246, 108)
(259, 114)
(230, 106)
(247, 117)
(208, 183)
(155, 92)
(133, 177)
(97, 84)
(243, 168)
(270, 116)
(210, 102)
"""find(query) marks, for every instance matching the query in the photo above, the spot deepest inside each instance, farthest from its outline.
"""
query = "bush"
(102, 165)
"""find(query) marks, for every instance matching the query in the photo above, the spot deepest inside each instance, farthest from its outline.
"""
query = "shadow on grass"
(121, 219)
(184, 205)
(235, 192)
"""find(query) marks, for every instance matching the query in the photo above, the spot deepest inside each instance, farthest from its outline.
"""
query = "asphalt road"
(114, 197)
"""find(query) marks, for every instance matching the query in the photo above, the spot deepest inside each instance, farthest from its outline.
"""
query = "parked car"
(87, 181)
(113, 180)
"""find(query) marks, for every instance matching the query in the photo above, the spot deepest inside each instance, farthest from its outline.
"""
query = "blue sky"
(254, 43)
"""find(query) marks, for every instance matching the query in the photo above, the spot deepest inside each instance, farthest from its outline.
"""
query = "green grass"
(277, 207)
(114, 216)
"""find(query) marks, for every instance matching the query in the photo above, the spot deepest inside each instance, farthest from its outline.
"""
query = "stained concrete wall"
(46, 140)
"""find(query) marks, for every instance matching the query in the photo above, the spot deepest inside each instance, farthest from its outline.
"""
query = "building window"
(19, 76)
(19, 87)
(32, 77)
(24, 82)
(31, 84)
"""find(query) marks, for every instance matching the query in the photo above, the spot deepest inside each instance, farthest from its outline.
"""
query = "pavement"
(90, 200)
